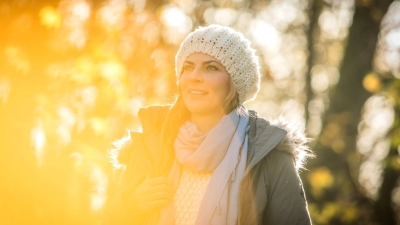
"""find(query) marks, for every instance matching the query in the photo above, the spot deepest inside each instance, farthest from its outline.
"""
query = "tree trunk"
(337, 142)
(314, 12)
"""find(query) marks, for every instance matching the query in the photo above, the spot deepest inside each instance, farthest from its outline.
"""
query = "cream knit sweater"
(188, 197)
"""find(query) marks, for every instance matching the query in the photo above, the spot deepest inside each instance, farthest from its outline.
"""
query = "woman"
(206, 159)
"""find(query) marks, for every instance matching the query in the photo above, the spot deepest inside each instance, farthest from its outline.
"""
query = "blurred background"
(73, 74)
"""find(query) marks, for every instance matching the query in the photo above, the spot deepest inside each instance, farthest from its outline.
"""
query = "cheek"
(223, 86)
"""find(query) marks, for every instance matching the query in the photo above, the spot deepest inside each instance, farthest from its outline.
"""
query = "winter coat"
(271, 191)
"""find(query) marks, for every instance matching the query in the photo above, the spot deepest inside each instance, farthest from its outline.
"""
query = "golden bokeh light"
(151, 33)
(177, 22)
(81, 10)
(329, 24)
(372, 143)
(99, 125)
(265, 35)
(49, 17)
(112, 70)
(319, 79)
(225, 16)
(173, 16)
(99, 196)
(77, 37)
(320, 178)
(38, 141)
(372, 83)
(67, 122)
(5, 88)
(112, 15)
(15, 56)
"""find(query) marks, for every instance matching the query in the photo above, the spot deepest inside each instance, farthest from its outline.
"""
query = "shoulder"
(284, 185)
(151, 118)
(294, 141)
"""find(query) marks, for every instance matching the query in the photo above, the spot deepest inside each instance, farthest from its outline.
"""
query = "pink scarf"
(222, 150)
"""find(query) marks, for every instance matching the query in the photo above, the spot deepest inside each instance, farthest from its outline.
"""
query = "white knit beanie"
(232, 49)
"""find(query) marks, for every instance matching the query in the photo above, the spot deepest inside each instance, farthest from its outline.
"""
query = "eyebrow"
(204, 63)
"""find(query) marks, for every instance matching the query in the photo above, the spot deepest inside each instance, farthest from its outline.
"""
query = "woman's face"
(204, 85)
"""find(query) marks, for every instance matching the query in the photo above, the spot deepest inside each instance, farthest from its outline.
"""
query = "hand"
(150, 195)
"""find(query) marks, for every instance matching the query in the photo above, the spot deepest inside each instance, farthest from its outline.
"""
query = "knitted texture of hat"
(232, 49)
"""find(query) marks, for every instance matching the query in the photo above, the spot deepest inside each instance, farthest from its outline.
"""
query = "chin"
(196, 110)
(205, 111)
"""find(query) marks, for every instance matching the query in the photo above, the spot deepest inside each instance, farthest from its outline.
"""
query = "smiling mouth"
(198, 92)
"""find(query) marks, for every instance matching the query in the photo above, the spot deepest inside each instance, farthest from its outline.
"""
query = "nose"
(196, 75)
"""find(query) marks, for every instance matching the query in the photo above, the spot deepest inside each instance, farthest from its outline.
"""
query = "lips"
(197, 92)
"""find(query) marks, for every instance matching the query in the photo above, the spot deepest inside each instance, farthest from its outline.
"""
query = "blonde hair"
(231, 100)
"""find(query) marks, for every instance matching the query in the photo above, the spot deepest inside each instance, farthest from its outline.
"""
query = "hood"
(295, 142)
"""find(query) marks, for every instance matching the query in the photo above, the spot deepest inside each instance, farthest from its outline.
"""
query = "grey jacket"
(271, 191)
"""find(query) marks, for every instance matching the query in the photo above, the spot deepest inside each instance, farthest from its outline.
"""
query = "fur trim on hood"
(119, 155)
(294, 143)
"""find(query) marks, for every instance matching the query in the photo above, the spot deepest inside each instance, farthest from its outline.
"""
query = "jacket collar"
(264, 136)
(278, 133)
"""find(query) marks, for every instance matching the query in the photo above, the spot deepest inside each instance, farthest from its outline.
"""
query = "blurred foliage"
(73, 74)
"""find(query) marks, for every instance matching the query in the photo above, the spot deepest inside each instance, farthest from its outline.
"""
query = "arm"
(286, 200)
(117, 213)
(139, 194)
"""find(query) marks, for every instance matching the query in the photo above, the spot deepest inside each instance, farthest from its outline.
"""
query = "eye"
(187, 67)
(211, 67)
